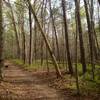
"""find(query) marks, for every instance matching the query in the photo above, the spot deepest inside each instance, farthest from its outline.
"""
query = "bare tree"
(99, 2)
(90, 35)
(1, 41)
(66, 38)
(30, 50)
(54, 30)
(46, 41)
(82, 51)
(15, 29)
(76, 67)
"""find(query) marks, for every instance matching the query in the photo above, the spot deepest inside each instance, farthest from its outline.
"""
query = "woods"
(59, 37)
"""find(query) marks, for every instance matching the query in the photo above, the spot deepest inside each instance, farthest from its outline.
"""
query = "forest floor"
(20, 84)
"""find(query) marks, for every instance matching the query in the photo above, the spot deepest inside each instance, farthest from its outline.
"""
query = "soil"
(20, 84)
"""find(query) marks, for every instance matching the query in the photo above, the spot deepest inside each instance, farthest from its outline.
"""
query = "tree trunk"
(42, 24)
(30, 44)
(76, 69)
(99, 2)
(66, 38)
(46, 41)
(93, 41)
(35, 39)
(90, 34)
(98, 16)
(15, 29)
(23, 44)
(82, 51)
(1, 41)
(55, 31)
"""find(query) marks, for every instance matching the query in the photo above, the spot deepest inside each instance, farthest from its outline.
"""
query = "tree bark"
(54, 30)
(99, 2)
(82, 51)
(43, 27)
(15, 29)
(30, 49)
(35, 43)
(1, 41)
(76, 69)
(66, 38)
(46, 41)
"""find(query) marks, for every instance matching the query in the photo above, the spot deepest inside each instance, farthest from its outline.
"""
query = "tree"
(66, 38)
(58, 73)
(98, 16)
(99, 2)
(43, 27)
(35, 43)
(30, 49)
(90, 35)
(14, 26)
(23, 32)
(54, 30)
(82, 51)
(76, 69)
(1, 41)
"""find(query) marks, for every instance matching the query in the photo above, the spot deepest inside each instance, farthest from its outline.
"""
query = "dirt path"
(21, 85)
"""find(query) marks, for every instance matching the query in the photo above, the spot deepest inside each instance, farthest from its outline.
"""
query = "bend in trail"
(21, 85)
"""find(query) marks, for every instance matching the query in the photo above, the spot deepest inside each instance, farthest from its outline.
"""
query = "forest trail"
(21, 85)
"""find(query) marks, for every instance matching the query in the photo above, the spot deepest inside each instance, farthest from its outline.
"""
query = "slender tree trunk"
(1, 41)
(54, 30)
(46, 41)
(47, 56)
(15, 29)
(66, 38)
(93, 41)
(42, 24)
(98, 16)
(48, 69)
(23, 45)
(90, 34)
(23, 35)
(82, 51)
(23, 40)
(99, 2)
(76, 69)
(30, 50)
(35, 39)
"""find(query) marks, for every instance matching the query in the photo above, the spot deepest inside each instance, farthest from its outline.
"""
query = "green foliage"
(85, 81)
(34, 66)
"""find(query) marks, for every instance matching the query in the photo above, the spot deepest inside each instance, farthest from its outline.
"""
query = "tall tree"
(35, 43)
(30, 44)
(23, 32)
(93, 34)
(82, 51)
(99, 2)
(98, 16)
(90, 35)
(58, 73)
(1, 41)
(54, 30)
(43, 27)
(76, 67)
(66, 37)
(8, 4)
